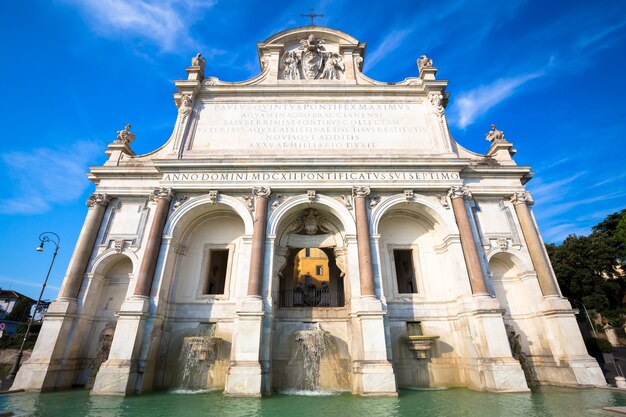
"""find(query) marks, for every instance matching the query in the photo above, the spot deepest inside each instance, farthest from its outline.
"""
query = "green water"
(549, 401)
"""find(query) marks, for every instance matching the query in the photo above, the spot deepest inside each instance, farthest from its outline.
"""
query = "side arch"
(193, 208)
(446, 222)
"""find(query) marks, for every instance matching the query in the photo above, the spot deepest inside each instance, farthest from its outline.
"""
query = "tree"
(591, 268)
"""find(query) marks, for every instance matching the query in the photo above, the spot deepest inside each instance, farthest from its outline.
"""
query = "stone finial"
(198, 61)
(495, 135)
(522, 197)
(424, 62)
(196, 71)
(100, 199)
(125, 136)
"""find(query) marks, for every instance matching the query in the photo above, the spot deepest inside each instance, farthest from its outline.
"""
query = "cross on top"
(312, 16)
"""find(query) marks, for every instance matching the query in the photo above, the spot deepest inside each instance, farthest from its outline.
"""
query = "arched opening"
(110, 284)
(311, 278)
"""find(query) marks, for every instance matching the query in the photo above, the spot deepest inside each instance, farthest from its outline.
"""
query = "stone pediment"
(311, 54)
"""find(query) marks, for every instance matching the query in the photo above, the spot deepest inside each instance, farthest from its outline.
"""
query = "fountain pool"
(547, 401)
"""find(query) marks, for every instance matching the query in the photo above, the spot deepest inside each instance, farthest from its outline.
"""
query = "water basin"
(547, 401)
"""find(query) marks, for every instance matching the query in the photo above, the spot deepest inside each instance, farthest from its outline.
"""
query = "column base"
(374, 378)
(121, 373)
(115, 378)
(46, 370)
(244, 380)
(496, 375)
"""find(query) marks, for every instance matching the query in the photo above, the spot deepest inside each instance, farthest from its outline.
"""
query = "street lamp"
(43, 238)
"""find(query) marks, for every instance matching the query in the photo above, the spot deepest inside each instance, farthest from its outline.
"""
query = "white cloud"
(45, 176)
(390, 43)
(472, 104)
(163, 23)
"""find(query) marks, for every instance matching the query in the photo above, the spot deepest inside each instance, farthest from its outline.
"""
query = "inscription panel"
(315, 126)
(318, 179)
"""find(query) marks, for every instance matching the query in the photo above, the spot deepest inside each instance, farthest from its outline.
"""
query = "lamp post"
(43, 238)
(593, 327)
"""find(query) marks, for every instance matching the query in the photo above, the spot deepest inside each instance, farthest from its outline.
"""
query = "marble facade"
(387, 185)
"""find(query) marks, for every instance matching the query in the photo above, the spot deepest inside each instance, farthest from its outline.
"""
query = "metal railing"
(314, 297)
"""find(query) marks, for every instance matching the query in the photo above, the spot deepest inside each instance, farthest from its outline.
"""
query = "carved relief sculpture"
(333, 66)
(185, 105)
(311, 56)
(291, 61)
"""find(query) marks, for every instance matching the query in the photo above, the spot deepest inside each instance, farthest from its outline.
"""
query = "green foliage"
(591, 268)
(597, 345)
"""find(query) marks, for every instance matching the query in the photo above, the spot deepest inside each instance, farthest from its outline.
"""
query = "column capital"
(162, 192)
(360, 191)
(522, 197)
(261, 191)
(459, 191)
(98, 199)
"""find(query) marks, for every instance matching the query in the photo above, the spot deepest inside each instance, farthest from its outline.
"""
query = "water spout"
(197, 356)
(312, 343)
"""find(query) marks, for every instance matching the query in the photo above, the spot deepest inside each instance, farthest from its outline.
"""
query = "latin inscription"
(296, 177)
(312, 126)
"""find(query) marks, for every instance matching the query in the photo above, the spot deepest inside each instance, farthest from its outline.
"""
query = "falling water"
(197, 355)
(312, 344)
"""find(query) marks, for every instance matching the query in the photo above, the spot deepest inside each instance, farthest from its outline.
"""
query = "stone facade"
(437, 271)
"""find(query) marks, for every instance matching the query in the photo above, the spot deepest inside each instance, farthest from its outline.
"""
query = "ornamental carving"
(311, 61)
(163, 192)
(409, 195)
(522, 197)
(437, 101)
(458, 191)
(310, 194)
(185, 105)
(360, 191)
(125, 135)
(97, 199)
(374, 200)
(310, 223)
(180, 199)
(213, 196)
(278, 200)
(347, 201)
(261, 191)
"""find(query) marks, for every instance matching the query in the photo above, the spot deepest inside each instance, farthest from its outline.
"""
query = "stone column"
(255, 280)
(97, 206)
(162, 196)
(363, 241)
(468, 244)
(538, 256)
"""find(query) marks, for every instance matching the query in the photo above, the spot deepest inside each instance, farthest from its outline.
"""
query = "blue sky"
(551, 74)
